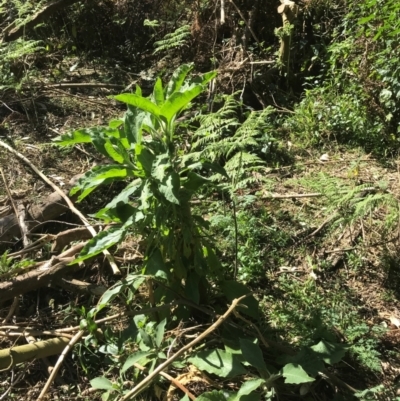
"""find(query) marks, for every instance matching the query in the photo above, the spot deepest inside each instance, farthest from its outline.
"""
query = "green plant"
(173, 40)
(144, 149)
(151, 348)
(236, 142)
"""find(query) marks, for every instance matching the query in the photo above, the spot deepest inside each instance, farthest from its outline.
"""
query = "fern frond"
(222, 136)
(18, 48)
(173, 40)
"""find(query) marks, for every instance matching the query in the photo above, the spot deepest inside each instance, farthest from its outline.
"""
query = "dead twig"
(60, 360)
(68, 201)
(175, 382)
(144, 383)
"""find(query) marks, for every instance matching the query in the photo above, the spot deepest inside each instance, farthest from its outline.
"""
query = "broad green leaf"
(145, 158)
(123, 196)
(330, 353)
(199, 80)
(253, 355)
(116, 123)
(160, 166)
(147, 341)
(134, 358)
(177, 101)
(214, 167)
(145, 196)
(309, 360)
(194, 182)
(133, 124)
(155, 265)
(192, 287)
(248, 388)
(295, 374)
(72, 138)
(177, 79)
(233, 289)
(211, 396)
(99, 175)
(101, 383)
(207, 77)
(158, 93)
(170, 187)
(218, 362)
(160, 329)
(134, 281)
(186, 398)
(113, 152)
(138, 101)
(102, 241)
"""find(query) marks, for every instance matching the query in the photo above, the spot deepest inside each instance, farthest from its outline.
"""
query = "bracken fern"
(223, 137)
(173, 40)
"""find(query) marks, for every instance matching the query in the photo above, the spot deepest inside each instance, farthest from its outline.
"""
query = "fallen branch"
(68, 201)
(12, 356)
(41, 276)
(144, 383)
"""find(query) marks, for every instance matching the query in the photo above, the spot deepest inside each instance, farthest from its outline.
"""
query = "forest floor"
(325, 267)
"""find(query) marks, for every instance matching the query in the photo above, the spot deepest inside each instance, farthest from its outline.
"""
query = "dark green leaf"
(310, 361)
(123, 197)
(331, 353)
(194, 181)
(155, 265)
(134, 358)
(160, 329)
(160, 166)
(192, 287)
(145, 158)
(253, 355)
(218, 362)
(102, 241)
(233, 289)
(214, 167)
(170, 187)
(211, 396)
(248, 388)
(99, 175)
(133, 123)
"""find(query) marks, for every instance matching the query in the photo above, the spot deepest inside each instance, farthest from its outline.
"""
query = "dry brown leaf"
(395, 321)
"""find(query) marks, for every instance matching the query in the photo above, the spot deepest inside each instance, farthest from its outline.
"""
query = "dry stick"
(246, 22)
(79, 97)
(144, 311)
(175, 382)
(251, 324)
(54, 372)
(23, 229)
(83, 85)
(310, 195)
(80, 333)
(68, 201)
(144, 383)
(38, 333)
